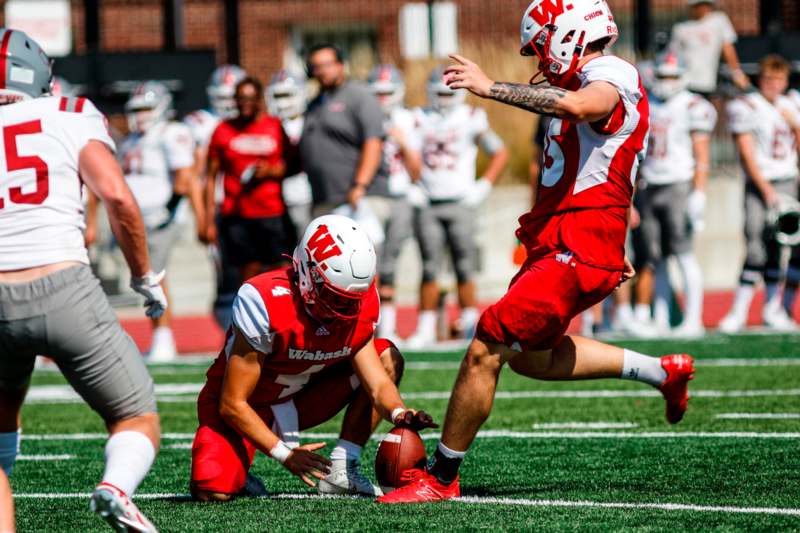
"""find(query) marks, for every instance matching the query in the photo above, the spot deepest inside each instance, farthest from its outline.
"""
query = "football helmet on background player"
(150, 102)
(221, 88)
(335, 264)
(440, 96)
(27, 68)
(670, 74)
(558, 33)
(286, 95)
(387, 84)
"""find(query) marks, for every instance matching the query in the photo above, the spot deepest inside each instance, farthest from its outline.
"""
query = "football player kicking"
(574, 235)
(50, 302)
(300, 349)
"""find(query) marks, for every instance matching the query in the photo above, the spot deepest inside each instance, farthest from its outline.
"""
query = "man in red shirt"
(300, 349)
(574, 235)
(252, 152)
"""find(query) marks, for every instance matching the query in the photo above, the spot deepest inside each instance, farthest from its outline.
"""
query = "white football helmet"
(149, 103)
(670, 76)
(387, 84)
(335, 264)
(286, 95)
(221, 88)
(558, 32)
(440, 96)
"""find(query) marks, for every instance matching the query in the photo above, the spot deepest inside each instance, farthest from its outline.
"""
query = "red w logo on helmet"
(548, 10)
(322, 246)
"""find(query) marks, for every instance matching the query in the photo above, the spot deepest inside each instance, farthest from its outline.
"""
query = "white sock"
(693, 276)
(9, 448)
(642, 368)
(469, 319)
(450, 454)
(345, 450)
(623, 313)
(388, 323)
(741, 302)
(129, 456)
(642, 312)
(163, 335)
(773, 295)
(426, 324)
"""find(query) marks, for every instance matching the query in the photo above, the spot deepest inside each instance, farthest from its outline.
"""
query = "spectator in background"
(253, 153)
(708, 35)
(765, 127)
(342, 143)
(401, 163)
(445, 216)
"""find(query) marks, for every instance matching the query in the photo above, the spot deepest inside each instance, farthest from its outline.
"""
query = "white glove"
(695, 208)
(478, 193)
(416, 196)
(149, 286)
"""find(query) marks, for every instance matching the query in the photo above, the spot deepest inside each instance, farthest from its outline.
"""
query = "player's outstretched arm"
(241, 378)
(383, 391)
(101, 173)
(589, 104)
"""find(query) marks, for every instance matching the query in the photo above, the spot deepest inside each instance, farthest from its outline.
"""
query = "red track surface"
(201, 334)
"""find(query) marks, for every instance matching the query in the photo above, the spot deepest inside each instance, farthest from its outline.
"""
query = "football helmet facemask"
(221, 88)
(440, 96)
(387, 84)
(286, 95)
(149, 103)
(670, 76)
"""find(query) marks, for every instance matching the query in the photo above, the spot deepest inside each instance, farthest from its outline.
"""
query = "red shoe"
(680, 369)
(424, 488)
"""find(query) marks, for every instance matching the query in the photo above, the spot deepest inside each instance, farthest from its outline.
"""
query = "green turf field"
(732, 464)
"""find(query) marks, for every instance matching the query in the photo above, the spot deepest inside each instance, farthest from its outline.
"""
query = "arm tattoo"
(538, 99)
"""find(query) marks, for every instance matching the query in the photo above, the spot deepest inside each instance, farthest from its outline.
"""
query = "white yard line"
(759, 416)
(585, 425)
(58, 457)
(488, 434)
(482, 500)
(186, 392)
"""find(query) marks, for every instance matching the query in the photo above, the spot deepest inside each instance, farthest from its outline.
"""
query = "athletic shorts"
(67, 317)
(221, 457)
(665, 228)
(542, 299)
(256, 240)
(445, 226)
(160, 243)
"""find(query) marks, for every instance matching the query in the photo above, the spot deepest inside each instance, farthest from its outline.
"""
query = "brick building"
(269, 30)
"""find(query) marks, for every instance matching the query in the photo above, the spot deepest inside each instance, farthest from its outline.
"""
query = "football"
(401, 449)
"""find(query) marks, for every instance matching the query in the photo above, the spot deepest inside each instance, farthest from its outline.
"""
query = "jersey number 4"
(15, 162)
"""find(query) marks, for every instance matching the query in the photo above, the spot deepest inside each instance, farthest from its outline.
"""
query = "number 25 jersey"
(588, 173)
(41, 208)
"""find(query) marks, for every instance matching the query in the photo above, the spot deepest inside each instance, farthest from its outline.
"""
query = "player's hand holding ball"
(302, 461)
(411, 419)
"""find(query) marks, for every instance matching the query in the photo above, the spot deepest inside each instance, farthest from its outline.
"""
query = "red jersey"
(270, 313)
(588, 174)
(237, 148)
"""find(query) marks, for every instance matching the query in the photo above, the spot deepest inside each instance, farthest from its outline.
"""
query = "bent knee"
(482, 357)
(393, 362)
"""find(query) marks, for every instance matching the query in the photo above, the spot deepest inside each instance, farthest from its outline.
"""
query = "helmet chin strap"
(546, 70)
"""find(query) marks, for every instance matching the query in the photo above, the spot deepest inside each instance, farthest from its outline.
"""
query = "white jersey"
(403, 120)
(449, 145)
(774, 141)
(150, 160)
(670, 154)
(202, 124)
(41, 209)
(794, 96)
(699, 43)
(296, 189)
